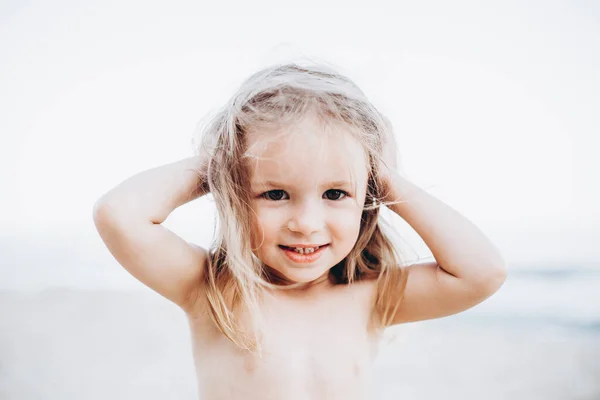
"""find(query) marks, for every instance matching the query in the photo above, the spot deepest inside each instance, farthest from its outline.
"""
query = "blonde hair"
(273, 98)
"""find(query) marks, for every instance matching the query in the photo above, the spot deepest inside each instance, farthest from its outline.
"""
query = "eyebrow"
(279, 184)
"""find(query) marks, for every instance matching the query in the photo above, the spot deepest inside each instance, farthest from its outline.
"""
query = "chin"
(304, 275)
(297, 275)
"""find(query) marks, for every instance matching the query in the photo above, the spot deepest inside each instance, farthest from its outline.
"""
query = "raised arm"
(129, 217)
(468, 267)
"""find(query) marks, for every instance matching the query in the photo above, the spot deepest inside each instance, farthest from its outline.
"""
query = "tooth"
(305, 250)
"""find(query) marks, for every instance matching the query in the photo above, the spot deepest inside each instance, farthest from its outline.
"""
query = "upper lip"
(303, 246)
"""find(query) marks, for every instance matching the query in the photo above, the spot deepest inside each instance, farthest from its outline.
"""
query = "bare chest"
(310, 351)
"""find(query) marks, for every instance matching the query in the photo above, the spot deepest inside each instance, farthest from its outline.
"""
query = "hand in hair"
(203, 164)
(388, 161)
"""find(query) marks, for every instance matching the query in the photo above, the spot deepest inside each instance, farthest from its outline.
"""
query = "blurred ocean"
(563, 298)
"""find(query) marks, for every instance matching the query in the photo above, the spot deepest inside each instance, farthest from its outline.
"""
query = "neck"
(287, 285)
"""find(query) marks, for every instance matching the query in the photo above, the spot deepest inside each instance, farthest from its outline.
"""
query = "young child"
(291, 299)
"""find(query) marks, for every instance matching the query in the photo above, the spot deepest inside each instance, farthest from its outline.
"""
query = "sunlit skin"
(308, 188)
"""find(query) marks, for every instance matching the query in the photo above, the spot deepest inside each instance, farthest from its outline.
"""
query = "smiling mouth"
(303, 249)
(303, 255)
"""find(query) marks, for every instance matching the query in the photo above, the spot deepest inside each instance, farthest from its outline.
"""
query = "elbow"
(101, 214)
(104, 212)
(100, 209)
(495, 278)
(500, 271)
(488, 281)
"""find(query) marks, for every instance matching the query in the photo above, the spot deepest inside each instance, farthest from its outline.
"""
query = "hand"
(202, 160)
(388, 162)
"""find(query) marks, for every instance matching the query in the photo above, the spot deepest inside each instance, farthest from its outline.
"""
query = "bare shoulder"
(365, 289)
(196, 296)
(361, 292)
(360, 297)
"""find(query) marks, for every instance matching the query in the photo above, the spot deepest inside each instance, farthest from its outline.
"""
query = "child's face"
(308, 189)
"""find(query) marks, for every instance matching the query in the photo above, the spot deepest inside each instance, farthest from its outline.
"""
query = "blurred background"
(495, 108)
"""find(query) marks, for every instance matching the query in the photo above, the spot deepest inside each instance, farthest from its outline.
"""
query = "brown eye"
(274, 195)
(334, 194)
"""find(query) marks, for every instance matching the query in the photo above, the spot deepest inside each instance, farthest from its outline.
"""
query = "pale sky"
(495, 107)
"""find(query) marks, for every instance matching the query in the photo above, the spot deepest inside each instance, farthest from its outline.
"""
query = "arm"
(468, 267)
(128, 219)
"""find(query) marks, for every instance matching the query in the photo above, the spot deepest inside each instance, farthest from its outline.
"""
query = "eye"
(335, 194)
(274, 195)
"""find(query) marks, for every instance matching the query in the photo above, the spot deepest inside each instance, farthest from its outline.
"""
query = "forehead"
(305, 154)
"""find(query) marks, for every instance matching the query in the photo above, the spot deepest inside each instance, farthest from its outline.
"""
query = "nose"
(307, 218)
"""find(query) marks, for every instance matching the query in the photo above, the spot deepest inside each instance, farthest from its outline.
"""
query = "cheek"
(257, 235)
(264, 225)
(347, 224)
(257, 230)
